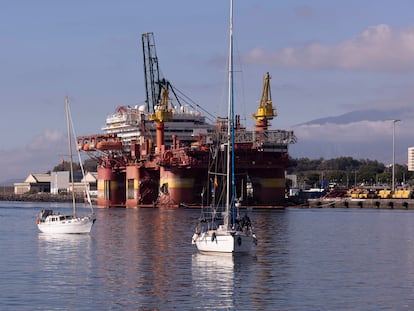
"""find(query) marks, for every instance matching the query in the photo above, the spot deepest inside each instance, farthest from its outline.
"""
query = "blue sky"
(326, 58)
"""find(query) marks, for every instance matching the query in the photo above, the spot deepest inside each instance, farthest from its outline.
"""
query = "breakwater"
(39, 197)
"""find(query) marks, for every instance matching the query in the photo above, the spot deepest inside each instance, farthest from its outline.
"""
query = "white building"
(33, 183)
(410, 159)
(59, 181)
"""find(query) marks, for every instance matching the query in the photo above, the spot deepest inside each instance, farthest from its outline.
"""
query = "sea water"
(142, 259)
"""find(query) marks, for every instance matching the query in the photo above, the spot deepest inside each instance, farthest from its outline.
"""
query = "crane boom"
(265, 111)
(151, 71)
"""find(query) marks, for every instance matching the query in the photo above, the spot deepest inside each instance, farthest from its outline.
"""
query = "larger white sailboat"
(49, 221)
(221, 229)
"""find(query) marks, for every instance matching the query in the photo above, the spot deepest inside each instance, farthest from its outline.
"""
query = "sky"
(340, 70)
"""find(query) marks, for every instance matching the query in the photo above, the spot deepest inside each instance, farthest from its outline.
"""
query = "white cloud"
(357, 132)
(47, 139)
(351, 132)
(364, 139)
(41, 155)
(377, 48)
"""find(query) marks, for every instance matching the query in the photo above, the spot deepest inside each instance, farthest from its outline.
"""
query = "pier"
(402, 204)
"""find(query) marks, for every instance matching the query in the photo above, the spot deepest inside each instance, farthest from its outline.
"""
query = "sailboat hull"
(212, 242)
(67, 226)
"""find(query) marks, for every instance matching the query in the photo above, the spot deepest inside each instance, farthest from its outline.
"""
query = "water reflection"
(63, 260)
(141, 256)
(144, 260)
(213, 280)
(64, 251)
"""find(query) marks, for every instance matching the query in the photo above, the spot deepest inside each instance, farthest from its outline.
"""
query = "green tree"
(89, 166)
(312, 179)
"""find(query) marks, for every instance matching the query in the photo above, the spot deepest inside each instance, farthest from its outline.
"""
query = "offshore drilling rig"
(158, 154)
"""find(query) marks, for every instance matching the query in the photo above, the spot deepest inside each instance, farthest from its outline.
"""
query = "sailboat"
(50, 221)
(221, 229)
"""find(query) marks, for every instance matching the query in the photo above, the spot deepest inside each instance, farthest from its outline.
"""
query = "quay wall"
(362, 203)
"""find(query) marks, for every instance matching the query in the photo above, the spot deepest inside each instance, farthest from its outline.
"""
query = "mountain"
(361, 134)
(359, 115)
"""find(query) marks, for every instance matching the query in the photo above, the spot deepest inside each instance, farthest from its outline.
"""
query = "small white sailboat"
(49, 221)
(225, 231)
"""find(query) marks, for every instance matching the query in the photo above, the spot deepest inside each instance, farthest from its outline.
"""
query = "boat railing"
(281, 137)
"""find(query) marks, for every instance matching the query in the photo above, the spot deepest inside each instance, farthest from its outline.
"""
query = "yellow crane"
(265, 111)
(162, 112)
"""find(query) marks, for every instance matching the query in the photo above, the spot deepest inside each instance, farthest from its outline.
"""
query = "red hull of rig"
(176, 175)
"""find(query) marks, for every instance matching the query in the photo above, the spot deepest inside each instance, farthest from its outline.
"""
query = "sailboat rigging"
(49, 221)
(225, 231)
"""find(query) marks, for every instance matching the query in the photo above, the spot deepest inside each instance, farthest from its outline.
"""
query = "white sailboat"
(225, 231)
(49, 221)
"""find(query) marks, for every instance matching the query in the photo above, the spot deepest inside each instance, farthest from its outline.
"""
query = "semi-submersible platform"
(158, 154)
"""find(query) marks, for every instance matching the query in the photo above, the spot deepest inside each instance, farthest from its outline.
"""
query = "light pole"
(393, 152)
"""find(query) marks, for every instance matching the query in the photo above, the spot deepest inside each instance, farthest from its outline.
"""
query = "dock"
(402, 204)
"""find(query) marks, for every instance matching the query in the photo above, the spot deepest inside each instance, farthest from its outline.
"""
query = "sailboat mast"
(70, 155)
(230, 117)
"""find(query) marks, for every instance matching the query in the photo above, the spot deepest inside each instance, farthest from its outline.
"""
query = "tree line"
(347, 172)
(89, 165)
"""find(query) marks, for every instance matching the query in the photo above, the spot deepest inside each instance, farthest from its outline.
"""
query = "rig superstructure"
(158, 154)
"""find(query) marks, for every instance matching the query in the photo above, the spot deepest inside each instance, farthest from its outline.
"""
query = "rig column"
(178, 185)
(132, 186)
(111, 187)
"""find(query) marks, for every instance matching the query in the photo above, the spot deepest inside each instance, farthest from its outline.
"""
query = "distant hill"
(10, 182)
(352, 134)
(356, 116)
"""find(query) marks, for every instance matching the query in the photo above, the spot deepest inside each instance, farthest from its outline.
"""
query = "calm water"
(142, 259)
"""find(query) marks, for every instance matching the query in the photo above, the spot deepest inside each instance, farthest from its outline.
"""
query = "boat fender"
(195, 237)
(213, 237)
(239, 241)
